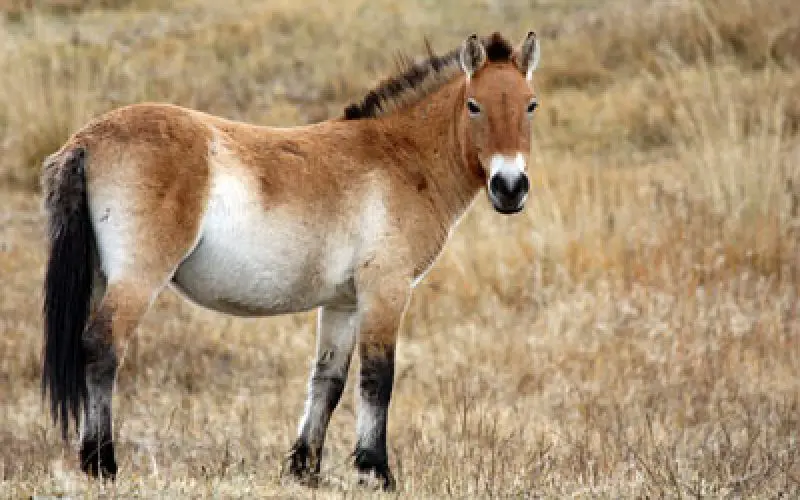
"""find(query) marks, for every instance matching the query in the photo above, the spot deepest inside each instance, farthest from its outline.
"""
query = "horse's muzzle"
(508, 192)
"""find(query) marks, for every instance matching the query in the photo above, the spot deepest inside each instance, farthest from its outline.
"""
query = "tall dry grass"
(634, 333)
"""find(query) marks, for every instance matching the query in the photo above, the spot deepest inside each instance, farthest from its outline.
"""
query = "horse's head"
(499, 104)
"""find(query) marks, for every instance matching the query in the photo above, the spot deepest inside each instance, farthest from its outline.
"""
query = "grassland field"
(634, 333)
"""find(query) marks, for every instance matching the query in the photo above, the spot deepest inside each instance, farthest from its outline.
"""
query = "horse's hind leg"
(132, 285)
(122, 305)
(146, 206)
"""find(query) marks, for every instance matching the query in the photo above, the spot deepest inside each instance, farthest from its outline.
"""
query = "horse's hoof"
(372, 469)
(98, 461)
(301, 465)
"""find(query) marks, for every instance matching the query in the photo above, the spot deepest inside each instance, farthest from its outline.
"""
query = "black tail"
(67, 286)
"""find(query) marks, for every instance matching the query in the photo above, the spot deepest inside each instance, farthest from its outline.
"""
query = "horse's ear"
(527, 56)
(473, 55)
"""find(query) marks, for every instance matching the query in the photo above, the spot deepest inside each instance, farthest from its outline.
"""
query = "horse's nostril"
(523, 185)
(500, 186)
(509, 189)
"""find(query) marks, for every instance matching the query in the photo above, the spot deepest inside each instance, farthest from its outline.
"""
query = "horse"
(345, 216)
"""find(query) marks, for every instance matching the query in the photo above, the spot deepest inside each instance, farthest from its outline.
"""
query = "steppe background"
(633, 333)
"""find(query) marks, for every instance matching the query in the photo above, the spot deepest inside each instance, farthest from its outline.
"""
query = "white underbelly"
(255, 262)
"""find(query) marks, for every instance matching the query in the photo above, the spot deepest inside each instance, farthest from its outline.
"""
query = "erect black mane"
(416, 80)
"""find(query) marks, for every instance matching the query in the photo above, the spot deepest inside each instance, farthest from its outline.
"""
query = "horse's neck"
(433, 126)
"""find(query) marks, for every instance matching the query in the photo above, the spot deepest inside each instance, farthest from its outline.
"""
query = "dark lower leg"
(375, 388)
(335, 338)
(97, 448)
(324, 395)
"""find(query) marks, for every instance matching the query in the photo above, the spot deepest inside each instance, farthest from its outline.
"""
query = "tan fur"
(161, 153)
(166, 164)
(504, 96)
(416, 159)
(157, 154)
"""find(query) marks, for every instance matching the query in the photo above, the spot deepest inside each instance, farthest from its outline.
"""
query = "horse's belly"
(253, 263)
(224, 278)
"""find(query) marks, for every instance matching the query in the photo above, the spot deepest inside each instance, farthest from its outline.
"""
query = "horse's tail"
(67, 284)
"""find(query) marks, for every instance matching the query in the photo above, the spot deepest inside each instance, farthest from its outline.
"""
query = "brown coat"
(346, 215)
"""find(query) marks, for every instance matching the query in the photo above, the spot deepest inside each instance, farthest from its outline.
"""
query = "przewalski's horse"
(345, 215)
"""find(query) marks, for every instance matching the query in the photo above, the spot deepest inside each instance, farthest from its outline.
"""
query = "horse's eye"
(532, 107)
(473, 107)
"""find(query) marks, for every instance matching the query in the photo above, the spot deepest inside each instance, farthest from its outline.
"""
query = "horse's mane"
(415, 80)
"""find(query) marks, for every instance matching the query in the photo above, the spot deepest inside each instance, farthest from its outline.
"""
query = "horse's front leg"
(382, 301)
(336, 332)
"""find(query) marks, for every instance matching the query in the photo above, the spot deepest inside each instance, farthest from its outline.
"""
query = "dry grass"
(634, 333)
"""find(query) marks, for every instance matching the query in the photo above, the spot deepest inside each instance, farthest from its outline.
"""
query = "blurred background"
(634, 332)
